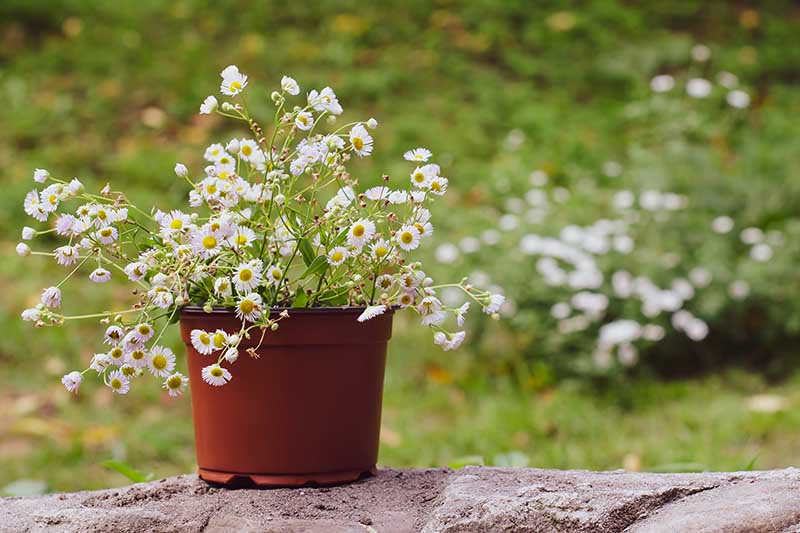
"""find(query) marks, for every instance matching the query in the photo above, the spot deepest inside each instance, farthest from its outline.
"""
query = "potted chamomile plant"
(284, 276)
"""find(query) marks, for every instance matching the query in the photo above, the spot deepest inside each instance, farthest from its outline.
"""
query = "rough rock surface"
(471, 499)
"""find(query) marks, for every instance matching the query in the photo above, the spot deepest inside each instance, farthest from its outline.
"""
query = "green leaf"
(317, 266)
(307, 251)
(300, 298)
(467, 460)
(128, 471)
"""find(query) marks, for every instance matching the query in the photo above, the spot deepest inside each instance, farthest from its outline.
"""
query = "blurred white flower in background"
(662, 83)
(701, 53)
(738, 99)
(698, 88)
(722, 224)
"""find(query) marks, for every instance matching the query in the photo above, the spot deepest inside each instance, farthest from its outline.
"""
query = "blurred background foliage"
(503, 93)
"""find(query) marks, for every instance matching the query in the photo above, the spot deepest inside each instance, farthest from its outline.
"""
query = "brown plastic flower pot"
(306, 411)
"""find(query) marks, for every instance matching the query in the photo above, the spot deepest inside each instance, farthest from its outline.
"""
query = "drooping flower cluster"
(276, 221)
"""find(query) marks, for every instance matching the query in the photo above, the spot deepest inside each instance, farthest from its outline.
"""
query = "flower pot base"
(284, 480)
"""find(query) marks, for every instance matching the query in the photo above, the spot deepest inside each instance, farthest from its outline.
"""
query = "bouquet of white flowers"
(276, 222)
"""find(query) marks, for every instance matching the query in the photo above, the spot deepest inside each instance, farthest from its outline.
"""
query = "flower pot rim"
(197, 310)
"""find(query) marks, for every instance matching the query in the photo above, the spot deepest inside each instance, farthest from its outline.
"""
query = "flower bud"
(372, 123)
(227, 106)
(274, 326)
(28, 233)
(208, 308)
(23, 250)
(181, 171)
(233, 146)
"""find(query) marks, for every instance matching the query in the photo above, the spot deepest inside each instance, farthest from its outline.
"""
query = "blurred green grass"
(109, 91)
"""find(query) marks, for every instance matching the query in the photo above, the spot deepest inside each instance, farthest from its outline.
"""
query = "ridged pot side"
(307, 410)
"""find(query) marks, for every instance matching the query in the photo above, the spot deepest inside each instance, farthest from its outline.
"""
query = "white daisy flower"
(248, 149)
(136, 271)
(249, 307)
(137, 358)
(242, 237)
(304, 120)
(338, 255)
(176, 384)
(209, 105)
(360, 140)
(50, 197)
(325, 101)
(371, 312)
(290, 86)
(449, 341)
(67, 255)
(119, 382)
(495, 302)
(100, 275)
(214, 152)
(216, 375)
(406, 299)
(438, 185)
(380, 249)
(434, 319)
(274, 275)
(113, 335)
(248, 276)
(40, 175)
(72, 381)
(51, 297)
(418, 154)
(144, 331)
(408, 237)
(33, 314)
(385, 282)
(460, 312)
(233, 81)
(100, 361)
(421, 177)
(202, 341)
(23, 250)
(33, 206)
(206, 242)
(106, 235)
(161, 361)
(429, 305)
(377, 193)
(361, 232)
(223, 287)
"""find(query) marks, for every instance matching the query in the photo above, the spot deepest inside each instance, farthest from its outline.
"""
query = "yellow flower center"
(405, 299)
(435, 186)
(144, 329)
(241, 239)
(236, 86)
(358, 230)
(276, 274)
(209, 242)
(215, 226)
(246, 274)
(337, 256)
(137, 355)
(116, 353)
(420, 228)
(406, 237)
(247, 306)
(159, 362)
(205, 338)
(219, 340)
(419, 177)
(105, 232)
(174, 382)
(176, 223)
(380, 251)
(116, 383)
(247, 150)
(358, 143)
(128, 370)
(102, 215)
(53, 199)
(303, 120)
(211, 188)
